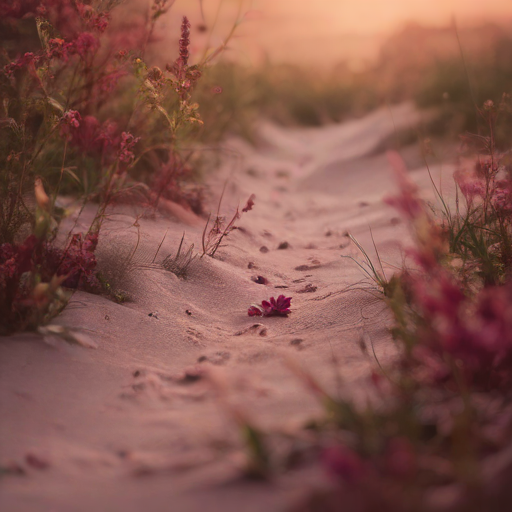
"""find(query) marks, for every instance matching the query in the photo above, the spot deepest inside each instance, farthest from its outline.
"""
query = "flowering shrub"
(76, 262)
(33, 271)
(84, 114)
(433, 426)
(446, 316)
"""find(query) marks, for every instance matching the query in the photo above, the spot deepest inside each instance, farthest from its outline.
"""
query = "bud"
(40, 294)
(42, 198)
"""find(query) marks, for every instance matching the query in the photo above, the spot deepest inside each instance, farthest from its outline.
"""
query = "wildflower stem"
(57, 189)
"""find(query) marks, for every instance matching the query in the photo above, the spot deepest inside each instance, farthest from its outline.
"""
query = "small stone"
(283, 245)
(191, 375)
(296, 341)
(36, 461)
(264, 249)
(259, 279)
(189, 313)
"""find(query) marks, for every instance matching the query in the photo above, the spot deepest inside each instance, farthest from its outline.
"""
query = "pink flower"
(471, 188)
(77, 262)
(16, 259)
(407, 201)
(128, 142)
(89, 136)
(254, 311)
(28, 60)
(69, 123)
(344, 463)
(250, 203)
(86, 43)
(59, 49)
(276, 307)
(502, 196)
(98, 21)
(184, 41)
(400, 459)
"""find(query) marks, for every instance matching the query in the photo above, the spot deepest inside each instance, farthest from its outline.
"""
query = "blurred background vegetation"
(452, 70)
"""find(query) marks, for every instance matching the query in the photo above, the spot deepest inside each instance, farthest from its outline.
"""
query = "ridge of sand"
(128, 426)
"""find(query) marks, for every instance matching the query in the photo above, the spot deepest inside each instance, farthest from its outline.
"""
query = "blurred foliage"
(459, 89)
(418, 63)
(232, 96)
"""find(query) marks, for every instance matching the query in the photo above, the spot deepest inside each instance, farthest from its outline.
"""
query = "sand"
(136, 423)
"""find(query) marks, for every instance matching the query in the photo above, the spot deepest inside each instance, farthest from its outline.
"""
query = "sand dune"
(135, 424)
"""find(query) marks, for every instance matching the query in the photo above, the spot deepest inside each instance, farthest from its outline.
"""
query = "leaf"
(55, 104)
(68, 170)
(166, 115)
(43, 31)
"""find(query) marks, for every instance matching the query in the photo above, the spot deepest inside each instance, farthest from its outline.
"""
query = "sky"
(307, 31)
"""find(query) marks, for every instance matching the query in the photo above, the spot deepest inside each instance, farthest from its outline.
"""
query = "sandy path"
(130, 425)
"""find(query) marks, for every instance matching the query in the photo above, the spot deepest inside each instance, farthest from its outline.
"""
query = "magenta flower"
(407, 200)
(470, 186)
(344, 464)
(254, 311)
(276, 307)
(77, 262)
(85, 44)
(250, 203)
(128, 142)
(400, 458)
(28, 60)
(69, 124)
(184, 41)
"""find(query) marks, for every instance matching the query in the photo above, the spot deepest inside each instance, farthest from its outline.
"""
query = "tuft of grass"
(378, 277)
(179, 264)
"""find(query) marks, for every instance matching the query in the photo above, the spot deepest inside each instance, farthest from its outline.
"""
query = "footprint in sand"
(309, 288)
(258, 329)
(195, 336)
(217, 358)
(153, 386)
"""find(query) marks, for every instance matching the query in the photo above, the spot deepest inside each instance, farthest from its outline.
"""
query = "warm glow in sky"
(367, 16)
(299, 30)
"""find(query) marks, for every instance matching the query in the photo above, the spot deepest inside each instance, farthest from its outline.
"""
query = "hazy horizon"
(327, 31)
